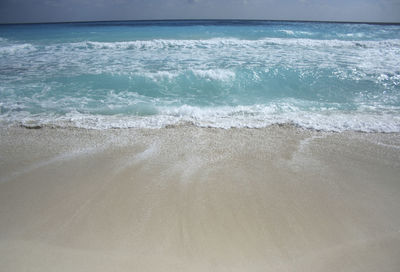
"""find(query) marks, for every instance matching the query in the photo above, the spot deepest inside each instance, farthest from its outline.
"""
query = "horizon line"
(233, 19)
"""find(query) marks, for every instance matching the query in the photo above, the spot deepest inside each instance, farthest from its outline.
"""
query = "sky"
(31, 11)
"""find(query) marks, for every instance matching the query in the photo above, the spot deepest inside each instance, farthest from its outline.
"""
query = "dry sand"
(198, 199)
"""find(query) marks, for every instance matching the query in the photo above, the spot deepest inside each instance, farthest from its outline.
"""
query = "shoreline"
(189, 124)
(186, 198)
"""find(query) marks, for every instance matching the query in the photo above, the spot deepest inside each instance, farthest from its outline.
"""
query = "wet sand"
(197, 199)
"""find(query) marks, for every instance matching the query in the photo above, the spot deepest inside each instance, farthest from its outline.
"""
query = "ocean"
(223, 74)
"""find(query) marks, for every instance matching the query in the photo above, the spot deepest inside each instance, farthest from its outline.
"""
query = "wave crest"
(17, 49)
(227, 42)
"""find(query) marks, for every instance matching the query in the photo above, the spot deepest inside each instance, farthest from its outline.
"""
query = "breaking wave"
(328, 77)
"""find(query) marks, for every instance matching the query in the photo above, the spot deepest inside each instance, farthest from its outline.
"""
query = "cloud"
(193, 1)
(82, 10)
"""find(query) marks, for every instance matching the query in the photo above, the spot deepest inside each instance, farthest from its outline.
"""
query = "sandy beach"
(185, 198)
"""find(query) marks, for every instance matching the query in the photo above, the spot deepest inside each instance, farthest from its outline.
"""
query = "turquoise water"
(328, 76)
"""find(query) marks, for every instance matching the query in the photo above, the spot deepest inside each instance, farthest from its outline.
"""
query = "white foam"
(216, 74)
(203, 57)
(255, 116)
(17, 49)
(224, 42)
(352, 35)
(160, 75)
(289, 32)
(294, 33)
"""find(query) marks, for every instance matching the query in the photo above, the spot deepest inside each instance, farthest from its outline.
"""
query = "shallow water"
(329, 76)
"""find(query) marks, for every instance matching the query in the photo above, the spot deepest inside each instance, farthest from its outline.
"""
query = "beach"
(189, 198)
(200, 145)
